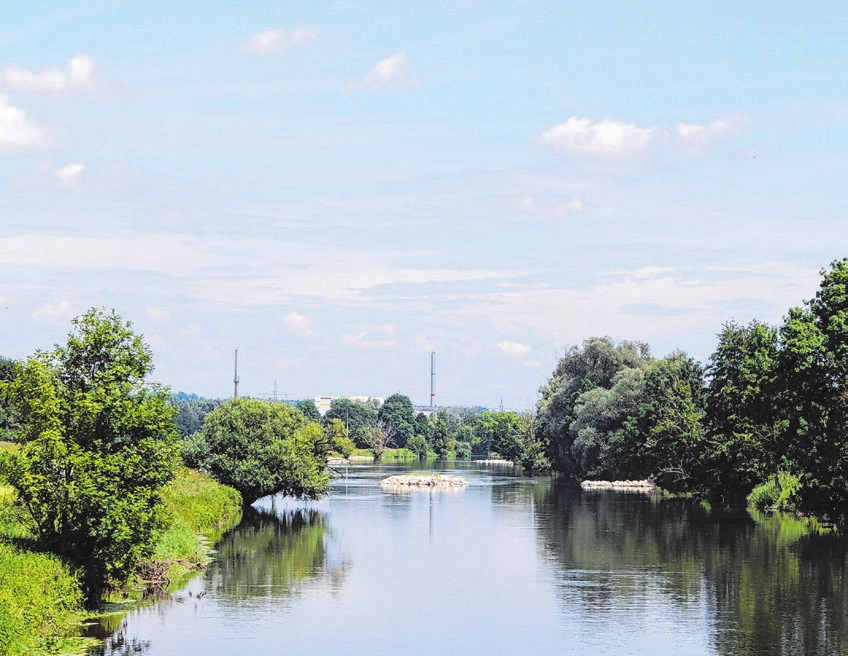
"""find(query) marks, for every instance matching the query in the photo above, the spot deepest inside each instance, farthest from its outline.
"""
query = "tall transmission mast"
(432, 381)
(236, 378)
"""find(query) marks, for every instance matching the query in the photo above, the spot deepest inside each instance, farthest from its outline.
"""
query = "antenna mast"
(236, 378)
(432, 381)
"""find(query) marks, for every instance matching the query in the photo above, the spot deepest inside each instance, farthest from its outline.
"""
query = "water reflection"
(270, 555)
(262, 566)
(770, 584)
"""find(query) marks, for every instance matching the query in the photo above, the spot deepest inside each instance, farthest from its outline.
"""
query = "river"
(508, 565)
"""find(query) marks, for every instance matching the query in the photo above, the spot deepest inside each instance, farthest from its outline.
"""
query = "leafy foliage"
(339, 438)
(397, 411)
(309, 410)
(353, 414)
(97, 443)
(191, 410)
(261, 448)
(378, 436)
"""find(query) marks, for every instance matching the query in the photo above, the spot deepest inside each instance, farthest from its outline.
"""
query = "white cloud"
(513, 349)
(17, 131)
(77, 74)
(553, 211)
(390, 72)
(608, 138)
(54, 312)
(273, 42)
(378, 338)
(69, 174)
(157, 314)
(298, 324)
(697, 139)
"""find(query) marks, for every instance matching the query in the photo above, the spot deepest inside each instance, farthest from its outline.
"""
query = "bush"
(418, 445)
(776, 493)
(463, 450)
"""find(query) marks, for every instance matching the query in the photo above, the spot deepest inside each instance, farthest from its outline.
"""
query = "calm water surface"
(509, 565)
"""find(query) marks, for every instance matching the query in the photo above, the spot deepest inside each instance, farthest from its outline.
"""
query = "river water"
(508, 565)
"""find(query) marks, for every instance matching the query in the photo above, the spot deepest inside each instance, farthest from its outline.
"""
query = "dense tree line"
(766, 418)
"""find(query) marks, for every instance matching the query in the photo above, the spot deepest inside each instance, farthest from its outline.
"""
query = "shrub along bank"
(41, 600)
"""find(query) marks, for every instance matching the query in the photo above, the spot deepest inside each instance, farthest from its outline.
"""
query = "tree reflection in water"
(271, 555)
(773, 584)
(269, 558)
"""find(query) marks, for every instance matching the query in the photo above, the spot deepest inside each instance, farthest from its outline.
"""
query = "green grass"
(201, 511)
(41, 603)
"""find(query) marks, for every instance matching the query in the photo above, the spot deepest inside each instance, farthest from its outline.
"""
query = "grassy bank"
(201, 511)
(41, 603)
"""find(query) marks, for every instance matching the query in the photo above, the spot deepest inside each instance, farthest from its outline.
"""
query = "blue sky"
(340, 188)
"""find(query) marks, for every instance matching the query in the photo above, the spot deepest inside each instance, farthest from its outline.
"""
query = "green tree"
(813, 388)
(378, 436)
(418, 445)
(8, 417)
(442, 440)
(742, 421)
(581, 369)
(424, 426)
(353, 414)
(339, 438)
(671, 443)
(398, 412)
(97, 443)
(309, 410)
(261, 448)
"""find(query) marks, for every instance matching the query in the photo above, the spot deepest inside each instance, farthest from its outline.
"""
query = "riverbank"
(41, 602)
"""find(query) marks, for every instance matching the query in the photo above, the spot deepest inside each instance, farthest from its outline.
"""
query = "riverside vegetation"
(92, 486)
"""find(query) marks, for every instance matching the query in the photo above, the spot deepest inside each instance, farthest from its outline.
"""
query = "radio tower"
(236, 378)
(432, 381)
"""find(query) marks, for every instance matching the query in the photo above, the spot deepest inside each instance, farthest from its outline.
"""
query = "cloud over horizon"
(77, 74)
(17, 131)
(276, 41)
(392, 72)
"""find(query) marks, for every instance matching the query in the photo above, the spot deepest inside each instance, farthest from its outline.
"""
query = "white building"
(323, 402)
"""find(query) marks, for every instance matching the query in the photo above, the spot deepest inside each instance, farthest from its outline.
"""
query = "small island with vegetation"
(111, 487)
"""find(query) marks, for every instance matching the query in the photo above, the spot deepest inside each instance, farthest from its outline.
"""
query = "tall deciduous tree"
(813, 402)
(97, 443)
(743, 422)
(353, 414)
(398, 412)
(593, 365)
(261, 448)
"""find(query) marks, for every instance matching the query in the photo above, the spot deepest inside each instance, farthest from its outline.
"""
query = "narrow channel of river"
(508, 565)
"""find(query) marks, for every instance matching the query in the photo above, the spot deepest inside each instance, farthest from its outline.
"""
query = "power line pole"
(236, 378)
(432, 381)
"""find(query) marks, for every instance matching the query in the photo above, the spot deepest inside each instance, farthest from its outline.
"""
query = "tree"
(580, 370)
(309, 410)
(97, 443)
(742, 421)
(813, 389)
(442, 440)
(261, 448)
(191, 410)
(671, 443)
(353, 414)
(8, 417)
(418, 445)
(339, 438)
(378, 436)
(399, 413)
